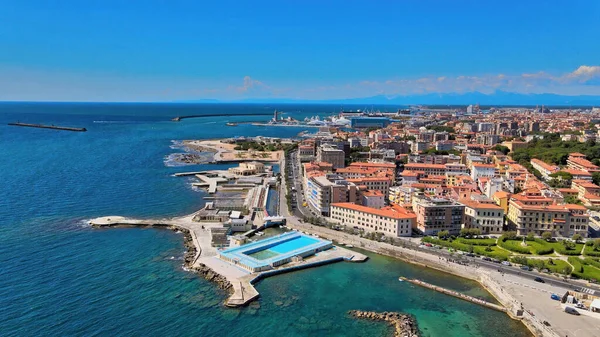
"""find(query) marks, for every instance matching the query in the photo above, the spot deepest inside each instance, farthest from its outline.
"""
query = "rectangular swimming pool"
(283, 247)
(274, 251)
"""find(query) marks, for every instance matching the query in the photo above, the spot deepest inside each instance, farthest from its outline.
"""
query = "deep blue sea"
(59, 277)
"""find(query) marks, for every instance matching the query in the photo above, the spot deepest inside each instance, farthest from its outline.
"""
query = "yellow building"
(501, 199)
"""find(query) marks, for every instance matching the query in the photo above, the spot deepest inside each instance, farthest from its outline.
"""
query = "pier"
(52, 127)
(455, 294)
(179, 118)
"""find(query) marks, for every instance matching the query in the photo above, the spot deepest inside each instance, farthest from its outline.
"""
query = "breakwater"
(52, 127)
(179, 118)
(404, 325)
(456, 294)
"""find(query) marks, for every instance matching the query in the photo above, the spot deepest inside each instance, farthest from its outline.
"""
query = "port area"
(242, 280)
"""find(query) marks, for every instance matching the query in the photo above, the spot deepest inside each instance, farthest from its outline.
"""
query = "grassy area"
(553, 265)
(592, 262)
(583, 270)
(560, 248)
(477, 242)
(471, 245)
(589, 251)
(514, 246)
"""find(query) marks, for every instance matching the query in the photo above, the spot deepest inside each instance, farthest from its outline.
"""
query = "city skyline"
(315, 52)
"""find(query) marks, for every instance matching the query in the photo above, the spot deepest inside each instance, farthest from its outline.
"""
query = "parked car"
(539, 279)
(485, 258)
(555, 297)
(506, 263)
(525, 268)
(572, 311)
(496, 261)
(546, 323)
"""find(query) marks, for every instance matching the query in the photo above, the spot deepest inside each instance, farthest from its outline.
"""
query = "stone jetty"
(404, 325)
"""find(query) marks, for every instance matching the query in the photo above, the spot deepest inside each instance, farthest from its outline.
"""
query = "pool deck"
(242, 281)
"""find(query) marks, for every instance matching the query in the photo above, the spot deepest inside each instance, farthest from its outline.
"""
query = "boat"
(349, 246)
(231, 124)
(400, 279)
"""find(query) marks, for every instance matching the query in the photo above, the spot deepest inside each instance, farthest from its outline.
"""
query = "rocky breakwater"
(190, 248)
(203, 270)
(404, 325)
(212, 276)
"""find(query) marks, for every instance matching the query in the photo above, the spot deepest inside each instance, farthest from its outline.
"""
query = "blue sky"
(184, 50)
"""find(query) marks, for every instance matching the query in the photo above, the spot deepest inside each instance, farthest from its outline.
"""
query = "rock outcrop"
(404, 325)
(210, 275)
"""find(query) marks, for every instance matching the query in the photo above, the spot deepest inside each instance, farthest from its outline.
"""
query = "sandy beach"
(227, 152)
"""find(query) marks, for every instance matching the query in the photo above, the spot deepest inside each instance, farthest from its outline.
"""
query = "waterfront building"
(306, 152)
(330, 154)
(438, 214)
(248, 169)
(318, 193)
(531, 212)
(484, 214)
(393, 220)
(501, 198)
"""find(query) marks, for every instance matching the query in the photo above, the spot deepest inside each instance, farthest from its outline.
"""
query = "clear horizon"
(230, 51)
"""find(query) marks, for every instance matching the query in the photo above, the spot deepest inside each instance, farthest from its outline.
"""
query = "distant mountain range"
(496, 98)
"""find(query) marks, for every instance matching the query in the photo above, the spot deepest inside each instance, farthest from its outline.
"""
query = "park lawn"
(495, 252)
(592, 261)
(583, 270)
(535, 247)
(477, 242)
(559, 248)
(514, 246)
(589, 251)
(558, 266)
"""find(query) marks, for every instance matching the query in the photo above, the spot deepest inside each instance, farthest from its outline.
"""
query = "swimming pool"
(283, 247)
(274, 251)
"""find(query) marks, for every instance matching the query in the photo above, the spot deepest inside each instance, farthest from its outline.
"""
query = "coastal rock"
(405, 325)
(206, 272)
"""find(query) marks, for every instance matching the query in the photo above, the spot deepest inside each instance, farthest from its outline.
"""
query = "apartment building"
(373, 183)
(438, 214)
(577, 161)
(483, 213)
(483, 170)
(428, 169)
(330, 154)
(545, 169)
(530, 211)
(392, 221)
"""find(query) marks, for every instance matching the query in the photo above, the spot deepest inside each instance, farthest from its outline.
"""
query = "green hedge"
(477, 242)
(514, 246)
(589, 251)
(560, 248)
(540, 247)
(553, 265)
(592, 262)
(495, 252)
(583, 270)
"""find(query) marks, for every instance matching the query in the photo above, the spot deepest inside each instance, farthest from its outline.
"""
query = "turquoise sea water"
(61, 277)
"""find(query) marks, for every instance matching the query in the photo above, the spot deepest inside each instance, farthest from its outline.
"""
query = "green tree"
(577, 237)
(443, 234)
(596, 244)
(471, 249)
(510, 235)
(530, 236)
(546, 236)
(596, 178)
(505, 150)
